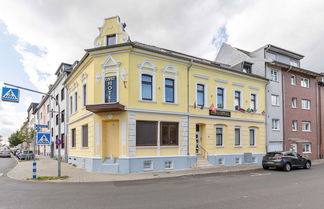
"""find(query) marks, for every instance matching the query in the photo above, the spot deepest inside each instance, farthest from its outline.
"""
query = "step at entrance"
(202, 163)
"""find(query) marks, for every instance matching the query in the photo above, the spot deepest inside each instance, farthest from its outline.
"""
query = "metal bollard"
(34, 170)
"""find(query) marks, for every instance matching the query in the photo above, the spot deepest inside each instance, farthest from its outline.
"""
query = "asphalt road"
(247, 190)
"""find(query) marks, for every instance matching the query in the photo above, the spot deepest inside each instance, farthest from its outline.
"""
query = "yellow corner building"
(135, 107)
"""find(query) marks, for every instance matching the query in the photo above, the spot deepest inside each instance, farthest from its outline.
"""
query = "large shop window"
(111, 89)
(85, 135)
(146, 133)
(147, 93)
(220, 98)
(169, 133)
(200, 95)
(169, 90)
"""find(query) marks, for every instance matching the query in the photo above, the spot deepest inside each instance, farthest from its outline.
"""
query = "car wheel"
(265, 167)
(307, 165)
(287, 167)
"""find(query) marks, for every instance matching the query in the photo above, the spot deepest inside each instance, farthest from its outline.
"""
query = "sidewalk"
(48, 167)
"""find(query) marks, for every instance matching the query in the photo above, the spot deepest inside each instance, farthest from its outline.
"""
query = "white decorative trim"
(221, 80)
(110, 62)
(150, 67)
(254, 87)
(237, 84)
(105, 65)
(98, 77)
(170, 69)
(201, 76)
(149, 70)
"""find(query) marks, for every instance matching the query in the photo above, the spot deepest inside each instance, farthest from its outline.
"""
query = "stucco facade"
(109, 109)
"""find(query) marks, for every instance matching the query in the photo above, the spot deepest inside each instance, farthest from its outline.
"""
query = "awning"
(96, 108)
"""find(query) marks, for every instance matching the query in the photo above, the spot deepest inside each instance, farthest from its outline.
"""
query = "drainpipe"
(283, 112)
(188, 109)
(319, 113)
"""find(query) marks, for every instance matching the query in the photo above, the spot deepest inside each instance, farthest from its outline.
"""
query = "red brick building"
(301, 110)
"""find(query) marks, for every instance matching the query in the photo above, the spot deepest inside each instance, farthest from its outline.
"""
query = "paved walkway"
(48, 167)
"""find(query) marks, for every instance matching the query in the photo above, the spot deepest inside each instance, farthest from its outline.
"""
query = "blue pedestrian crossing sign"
(10, 94)
(43, 138)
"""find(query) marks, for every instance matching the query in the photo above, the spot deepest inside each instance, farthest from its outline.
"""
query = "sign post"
(12, 95)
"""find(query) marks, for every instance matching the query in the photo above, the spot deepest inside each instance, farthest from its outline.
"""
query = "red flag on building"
(212, 108)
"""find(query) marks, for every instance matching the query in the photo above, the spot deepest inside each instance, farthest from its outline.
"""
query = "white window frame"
(86, 94)
(294, 125)
(256, 100)
(277, 100)
(272, 73)
(240, 145)
(147, 67)
(224, 97)
(175, 88)
(293, 80)
(307, 102)
(223, 135)
(241, 100)
(255, 136)
(205, 93)
(75, 102)
(309, 146)
(292, 102)
(307, 84)
(294, 147)
(304, 123)
(272, 123)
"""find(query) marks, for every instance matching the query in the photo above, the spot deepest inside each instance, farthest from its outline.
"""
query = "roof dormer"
(112, 32)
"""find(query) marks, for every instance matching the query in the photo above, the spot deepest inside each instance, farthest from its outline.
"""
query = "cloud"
(11, 120)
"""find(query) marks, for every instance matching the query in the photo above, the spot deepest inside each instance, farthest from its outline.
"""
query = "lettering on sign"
(220, 113)
(110, 89)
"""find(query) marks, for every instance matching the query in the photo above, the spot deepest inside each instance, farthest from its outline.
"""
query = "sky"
(37, 35)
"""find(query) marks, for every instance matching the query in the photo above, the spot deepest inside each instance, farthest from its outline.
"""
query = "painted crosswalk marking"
(1, 174)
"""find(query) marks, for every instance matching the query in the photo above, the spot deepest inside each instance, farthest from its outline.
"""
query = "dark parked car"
(285, 161)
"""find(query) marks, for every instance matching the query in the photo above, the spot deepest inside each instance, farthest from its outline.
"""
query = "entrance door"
(112, 138)
(198, 139)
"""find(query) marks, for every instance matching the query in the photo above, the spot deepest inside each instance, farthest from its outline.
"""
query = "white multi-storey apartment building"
(47, 112)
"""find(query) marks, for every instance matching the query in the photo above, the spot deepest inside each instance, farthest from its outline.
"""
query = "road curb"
(156, 175)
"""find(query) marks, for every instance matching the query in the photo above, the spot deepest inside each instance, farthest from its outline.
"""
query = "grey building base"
(132, 165)
(235, 159)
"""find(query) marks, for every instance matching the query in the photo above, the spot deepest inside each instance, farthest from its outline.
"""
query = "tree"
(15, 139)
(24, 134)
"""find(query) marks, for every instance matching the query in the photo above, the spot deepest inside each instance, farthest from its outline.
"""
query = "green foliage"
(24, 134)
